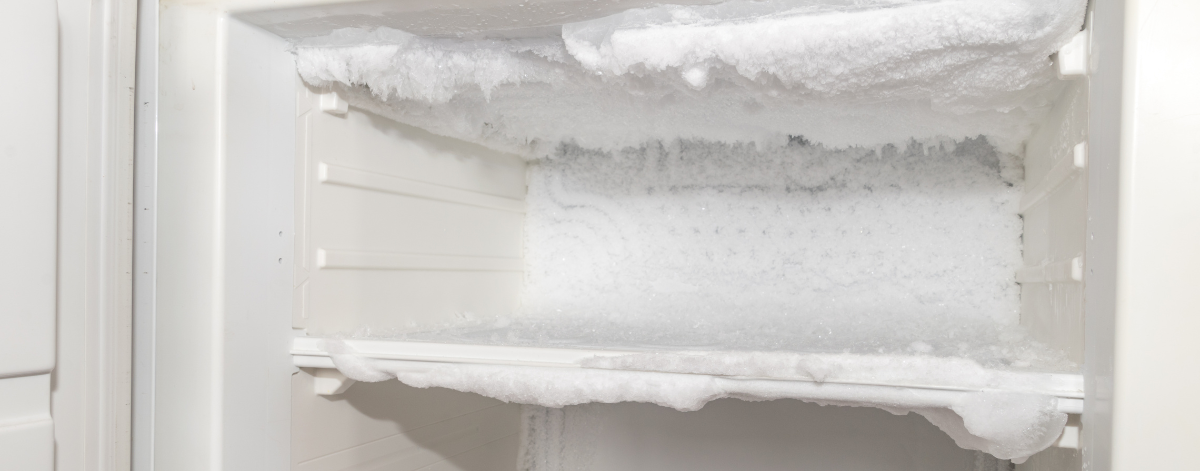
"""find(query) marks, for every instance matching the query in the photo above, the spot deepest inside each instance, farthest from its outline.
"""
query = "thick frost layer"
(802, 249)
(838, 72)
(1008, 425)
(967, 53)
(876, 237)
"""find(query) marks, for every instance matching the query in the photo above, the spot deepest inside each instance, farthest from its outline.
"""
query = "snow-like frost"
(1008, 425)
(701, 246)
(968, 53)
(837, 72)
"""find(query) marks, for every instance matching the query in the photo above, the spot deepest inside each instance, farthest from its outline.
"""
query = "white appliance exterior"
(91, 398)
(1155, 415)
(29, 195)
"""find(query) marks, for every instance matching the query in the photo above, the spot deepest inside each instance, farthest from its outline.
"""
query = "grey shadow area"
(392, 426)
(731, 434)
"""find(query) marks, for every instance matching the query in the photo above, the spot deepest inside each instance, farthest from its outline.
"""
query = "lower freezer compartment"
(395, 427)
(883, 278)
(391, 426)
(734, 434)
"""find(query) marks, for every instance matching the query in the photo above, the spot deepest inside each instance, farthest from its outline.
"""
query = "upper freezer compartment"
(688, 229)
(838, 73)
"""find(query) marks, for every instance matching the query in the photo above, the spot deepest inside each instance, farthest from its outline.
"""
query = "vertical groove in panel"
(301, 254)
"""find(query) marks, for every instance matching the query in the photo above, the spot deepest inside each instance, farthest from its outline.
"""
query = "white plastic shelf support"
(333, 103)
(1070, 434)
(330, 382)
(1073, 57)
(309, 352)
(1064, 170)
(1066, 271)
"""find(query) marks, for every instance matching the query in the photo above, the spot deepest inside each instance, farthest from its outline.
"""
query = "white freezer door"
(28, 230)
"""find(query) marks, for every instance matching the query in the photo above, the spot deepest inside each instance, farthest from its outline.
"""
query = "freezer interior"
(555, 214)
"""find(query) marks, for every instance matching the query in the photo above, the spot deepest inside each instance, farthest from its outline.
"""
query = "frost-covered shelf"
(1008, 413)
(919, 389)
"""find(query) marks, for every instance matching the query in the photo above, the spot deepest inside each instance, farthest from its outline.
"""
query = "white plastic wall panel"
(29, 194)
(731, 434)
(401, 227)
(26, 400)
(395, 227)
(28, 233)
(28, 446)
(187, 374)
(1056, 223)
(1054, 459)
(26, 431)
(366, 141)
(1156, 414)
(257, 175)
(492, 456)
(392, 426)
(1105, 80)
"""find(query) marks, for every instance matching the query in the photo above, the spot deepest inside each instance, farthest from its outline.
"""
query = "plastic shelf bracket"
(1073, 57)
(330, 382)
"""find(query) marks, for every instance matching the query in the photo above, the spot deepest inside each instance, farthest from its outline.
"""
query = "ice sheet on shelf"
(1010, 415)
(837, 72)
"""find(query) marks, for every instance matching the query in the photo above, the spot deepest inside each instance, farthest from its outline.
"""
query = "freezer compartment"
(403, 236)
(400, 231)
